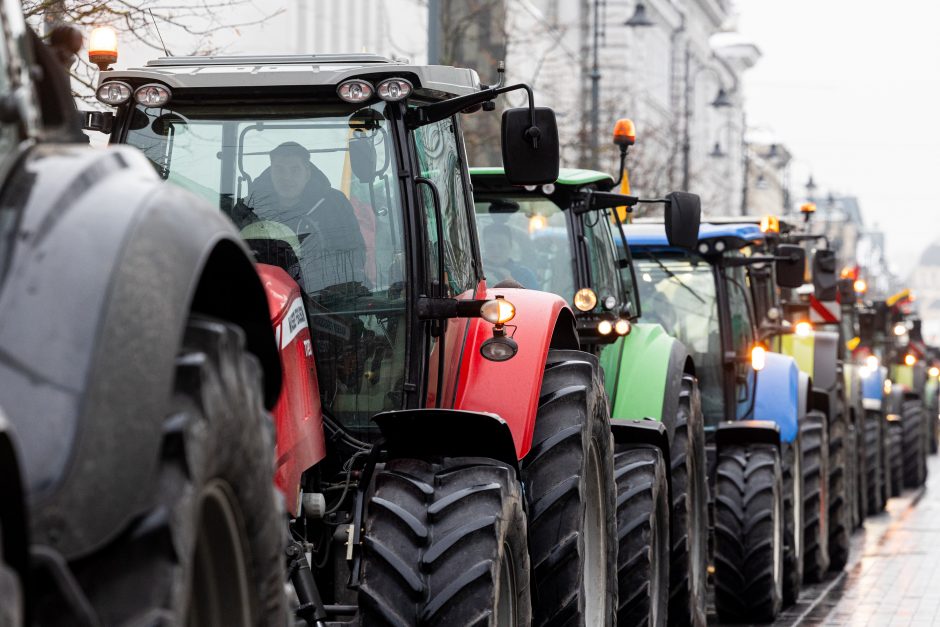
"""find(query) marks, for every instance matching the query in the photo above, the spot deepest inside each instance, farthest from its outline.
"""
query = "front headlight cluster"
(114, 93)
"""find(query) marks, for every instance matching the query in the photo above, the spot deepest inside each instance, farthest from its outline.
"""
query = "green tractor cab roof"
(319, 70)
(569, 177)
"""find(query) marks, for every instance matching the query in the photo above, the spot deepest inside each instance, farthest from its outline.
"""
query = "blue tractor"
(757, 405)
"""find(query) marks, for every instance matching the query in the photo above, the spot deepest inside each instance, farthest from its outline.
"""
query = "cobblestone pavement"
(893, 575)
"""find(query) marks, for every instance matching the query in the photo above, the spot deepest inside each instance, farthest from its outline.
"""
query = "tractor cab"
(703, 297)
(345, 176)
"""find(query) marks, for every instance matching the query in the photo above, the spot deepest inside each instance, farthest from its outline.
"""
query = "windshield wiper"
(674, 276)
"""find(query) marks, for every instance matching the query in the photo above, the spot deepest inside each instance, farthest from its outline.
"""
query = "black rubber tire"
(748, 534)
(572, 425)
(215, 481)
(793, 520)
(643, 536)
(895, 447)
(853, 489)
(815, 439)
(933, 426)
(688, 568)
(440, 536)
(914, 443)
(840, 503)
(873, 465)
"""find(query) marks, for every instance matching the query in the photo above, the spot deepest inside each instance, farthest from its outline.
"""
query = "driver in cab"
(294, 193)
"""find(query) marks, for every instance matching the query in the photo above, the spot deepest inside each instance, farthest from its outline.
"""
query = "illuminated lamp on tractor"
(770, 224)
(103, 47)
(758, 357)
(500, 347)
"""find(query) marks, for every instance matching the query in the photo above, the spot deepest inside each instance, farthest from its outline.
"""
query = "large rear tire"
(749, 534)
(840, 503)
(571, 496)
(689, 518)
(643, 534)
(210, 552)
(815, 440)
(445, 544)
(914, 443)
(11, 595)
(874, 463)
(793, 523)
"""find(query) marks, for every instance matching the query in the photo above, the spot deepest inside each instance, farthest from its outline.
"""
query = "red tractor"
(443, 446)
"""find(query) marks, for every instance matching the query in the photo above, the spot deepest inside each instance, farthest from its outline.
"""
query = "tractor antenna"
(157, 28)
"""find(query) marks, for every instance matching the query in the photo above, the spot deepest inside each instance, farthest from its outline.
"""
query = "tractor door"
(449, 251)
(737, 342)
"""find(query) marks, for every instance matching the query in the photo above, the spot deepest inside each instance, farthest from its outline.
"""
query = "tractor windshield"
(678, 292)
(313, 189)
(525, 238)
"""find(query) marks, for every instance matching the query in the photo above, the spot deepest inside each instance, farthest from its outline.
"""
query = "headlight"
(758, 357)
(355, 91)
(394, 89)
(585, 299)
(604, 327)
(498, 311)
(113, 93)
(152, 95)
(622, 327)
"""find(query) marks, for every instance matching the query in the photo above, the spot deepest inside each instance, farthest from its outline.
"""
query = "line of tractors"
(278, 355)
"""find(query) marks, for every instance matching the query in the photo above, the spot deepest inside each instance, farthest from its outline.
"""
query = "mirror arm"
(605, 200)
(445, 308)
(428, 114)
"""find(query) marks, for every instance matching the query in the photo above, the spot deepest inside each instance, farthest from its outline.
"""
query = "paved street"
(893, 577)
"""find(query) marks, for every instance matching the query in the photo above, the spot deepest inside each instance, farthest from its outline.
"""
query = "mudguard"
(447, 433)
(644, 373)
(748, 432)
(873, 386)
(14, 534)
(107, 263)
(649, 431)
(825, 360)
(778, 395)
(298, 414)
(510, 389)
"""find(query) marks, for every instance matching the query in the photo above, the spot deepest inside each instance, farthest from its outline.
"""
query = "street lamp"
(639, 19)
(722, 100)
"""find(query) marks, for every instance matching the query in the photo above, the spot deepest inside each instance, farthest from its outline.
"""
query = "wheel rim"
(219, 590)
(594, 583)
(506, 597)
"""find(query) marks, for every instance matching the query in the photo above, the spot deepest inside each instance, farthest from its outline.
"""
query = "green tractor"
(563, 238)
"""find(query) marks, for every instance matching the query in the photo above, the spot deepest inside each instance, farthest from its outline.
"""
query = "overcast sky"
(850, 86)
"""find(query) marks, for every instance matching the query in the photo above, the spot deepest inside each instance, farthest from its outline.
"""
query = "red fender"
(298, 415)
(510, 388)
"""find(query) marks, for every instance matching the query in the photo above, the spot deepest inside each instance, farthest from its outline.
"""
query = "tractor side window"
(603, 262)
(440, 161)
(742, 333)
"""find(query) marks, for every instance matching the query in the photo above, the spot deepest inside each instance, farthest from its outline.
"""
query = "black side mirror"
(362, 158)
(790, 264)
(824, 275)
(847, 294)
(867, 325)
(530, 146)
(683, 214)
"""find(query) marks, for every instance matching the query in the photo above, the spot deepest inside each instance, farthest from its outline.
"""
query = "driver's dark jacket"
(332, 249)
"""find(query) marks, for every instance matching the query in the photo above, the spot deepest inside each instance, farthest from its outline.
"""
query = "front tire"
(689, 519)
(445, 544)
(210, 552)
(895, 447)
(11, 595)
(571, 496)
(749, 534)
(643, 532)
(914, 443)
(793, 523)
(840, 515)
(815, 440)
(873, 463)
